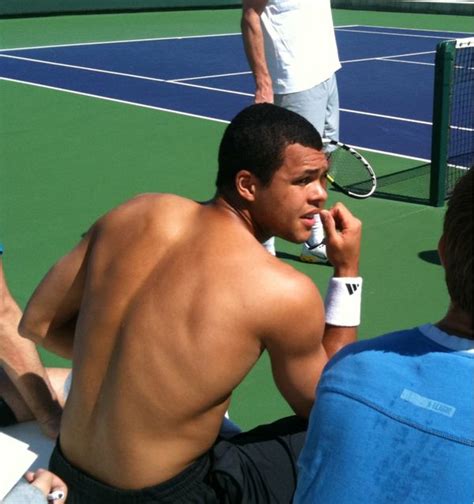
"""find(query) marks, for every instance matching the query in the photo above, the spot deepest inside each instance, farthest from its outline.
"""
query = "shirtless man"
(160, 336)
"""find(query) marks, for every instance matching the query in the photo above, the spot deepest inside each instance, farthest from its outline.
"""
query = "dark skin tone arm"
(52, 322)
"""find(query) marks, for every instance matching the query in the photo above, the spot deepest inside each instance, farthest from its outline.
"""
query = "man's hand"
(53, 487)
(343, 235)
(264, 92)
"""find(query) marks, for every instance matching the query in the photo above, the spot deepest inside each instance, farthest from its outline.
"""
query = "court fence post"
(444, 64)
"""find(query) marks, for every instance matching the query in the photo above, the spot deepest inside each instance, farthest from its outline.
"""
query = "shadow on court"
(430, 256)
(295, 258)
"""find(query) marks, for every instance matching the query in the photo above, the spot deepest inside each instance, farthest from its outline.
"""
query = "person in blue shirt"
(394, 417)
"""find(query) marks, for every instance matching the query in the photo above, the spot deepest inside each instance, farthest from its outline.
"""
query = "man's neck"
(457, 323)
(234, 207)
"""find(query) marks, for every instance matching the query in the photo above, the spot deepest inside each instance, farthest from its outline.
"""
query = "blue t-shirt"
(393, 423)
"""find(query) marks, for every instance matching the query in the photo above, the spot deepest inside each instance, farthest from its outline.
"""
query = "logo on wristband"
(352, 288)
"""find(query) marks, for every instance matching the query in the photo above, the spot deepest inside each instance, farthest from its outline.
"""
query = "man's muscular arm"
(50, 316)
(302, 343)
(296, 346)
(255, 48)
(343, 236)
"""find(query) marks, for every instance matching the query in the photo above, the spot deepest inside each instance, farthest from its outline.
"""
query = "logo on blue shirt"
(426, 403)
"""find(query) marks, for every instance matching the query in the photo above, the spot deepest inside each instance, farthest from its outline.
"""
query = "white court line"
(182, 80)
(406, 61)
(132, 41)
(115, 100)
(120, 74)
(157, 39)
(386, 153)
(162, 109)
(415, 29)
(398, 34)
(392, 118)
(209, 88)
(379, 58)
(78, 67)
(461, 128)
(177, 81)
(187, 114)
(213, 76)
(376, 58)
(138, 77)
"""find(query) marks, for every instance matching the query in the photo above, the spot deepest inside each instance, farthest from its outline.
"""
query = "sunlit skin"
(297, 192)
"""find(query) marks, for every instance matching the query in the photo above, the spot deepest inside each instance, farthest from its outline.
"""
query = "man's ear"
(245, 184)
(442, 249)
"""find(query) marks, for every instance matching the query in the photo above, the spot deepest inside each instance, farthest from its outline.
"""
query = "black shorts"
(190, 486)
(254, 467)
(259, 466)
(7, 417)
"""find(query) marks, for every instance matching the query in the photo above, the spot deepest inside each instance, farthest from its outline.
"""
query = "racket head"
(349, 171)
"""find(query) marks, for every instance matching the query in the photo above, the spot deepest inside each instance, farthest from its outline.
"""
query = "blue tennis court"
(385, 84)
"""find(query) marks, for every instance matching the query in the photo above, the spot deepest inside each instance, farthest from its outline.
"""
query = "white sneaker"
(271, 250)
(314, 254)
(270, 245)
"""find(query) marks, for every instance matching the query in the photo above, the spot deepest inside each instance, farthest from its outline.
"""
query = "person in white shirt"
(292, 52)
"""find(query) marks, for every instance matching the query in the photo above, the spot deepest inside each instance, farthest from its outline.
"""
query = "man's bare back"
(165, 306)
(155, 347)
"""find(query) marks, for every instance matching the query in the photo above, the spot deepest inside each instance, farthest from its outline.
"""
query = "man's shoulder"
(146, 219)
(396, 354)
(292, 301)
(378, 352)
(149, 202)
(291, 284)
(396, 339)
(145, 206)
(405, 376)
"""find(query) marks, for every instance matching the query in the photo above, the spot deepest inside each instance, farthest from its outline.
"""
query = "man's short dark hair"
(256, 139)
(458, 224)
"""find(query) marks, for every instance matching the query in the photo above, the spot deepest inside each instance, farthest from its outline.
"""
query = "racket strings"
(348, 171)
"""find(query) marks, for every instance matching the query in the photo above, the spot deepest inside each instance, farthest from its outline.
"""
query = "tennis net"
(453, 117)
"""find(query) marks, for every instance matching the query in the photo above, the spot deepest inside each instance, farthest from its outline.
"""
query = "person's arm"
(25, 373)
(255, 48)
(295, 346)
(302, 343)
(343, 235)
(51, 313)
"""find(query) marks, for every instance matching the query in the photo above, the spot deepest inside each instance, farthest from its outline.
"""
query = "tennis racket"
(349, 172)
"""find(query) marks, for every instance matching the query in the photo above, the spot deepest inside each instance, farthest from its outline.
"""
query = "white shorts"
(320, 105)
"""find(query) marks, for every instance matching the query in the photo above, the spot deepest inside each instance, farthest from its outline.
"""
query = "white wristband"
(343, 300)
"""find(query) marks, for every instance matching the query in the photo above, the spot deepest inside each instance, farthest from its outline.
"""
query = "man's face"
(296, 193)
